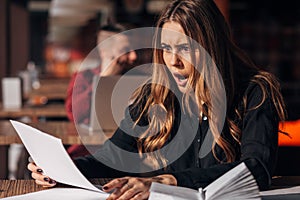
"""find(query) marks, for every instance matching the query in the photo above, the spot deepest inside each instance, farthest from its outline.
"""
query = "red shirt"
(78, 100)
(78, 103)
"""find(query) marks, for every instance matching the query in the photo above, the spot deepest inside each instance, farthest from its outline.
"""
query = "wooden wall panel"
(19, 39)
(3, 42)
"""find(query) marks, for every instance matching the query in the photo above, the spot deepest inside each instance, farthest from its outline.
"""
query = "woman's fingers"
(141, 196)
(134, 188)
(129, 188)
(115, 183)
(44, 183)
(126, 192)
(43, 179)
(40, 179)
(132, 194)
(33, 168)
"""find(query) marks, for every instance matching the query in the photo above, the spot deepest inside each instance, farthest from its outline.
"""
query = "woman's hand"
(135, 188)
(40, 179)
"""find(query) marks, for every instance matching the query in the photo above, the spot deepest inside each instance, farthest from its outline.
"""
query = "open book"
(238, 183)
(49, 153)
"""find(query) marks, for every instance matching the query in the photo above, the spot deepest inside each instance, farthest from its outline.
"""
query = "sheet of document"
(50, 155)
(290, 190)
(61, 193)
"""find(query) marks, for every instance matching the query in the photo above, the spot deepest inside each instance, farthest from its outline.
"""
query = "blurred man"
(115, 58)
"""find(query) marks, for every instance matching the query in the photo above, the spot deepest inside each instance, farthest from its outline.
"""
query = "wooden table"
(51, 110)
(66, 131)
(18, 187)
(52, 89)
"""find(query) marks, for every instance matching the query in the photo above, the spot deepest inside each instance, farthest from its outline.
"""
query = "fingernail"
(105, 188)
(39, 170)
(46, 179)
(52, 182)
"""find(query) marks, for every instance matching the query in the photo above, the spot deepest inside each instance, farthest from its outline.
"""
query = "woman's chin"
(182, 88)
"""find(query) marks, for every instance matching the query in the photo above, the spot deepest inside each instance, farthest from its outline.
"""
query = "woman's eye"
(185, 49)
(166, 48)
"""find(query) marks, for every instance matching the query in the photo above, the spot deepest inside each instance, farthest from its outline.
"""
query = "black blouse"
(258, 148)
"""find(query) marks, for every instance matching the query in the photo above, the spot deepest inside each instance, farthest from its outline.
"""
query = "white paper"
(160, 196)
(50, 155)
(161, 191)
(291, 190)
(238, 183)
(230, 183)
(61, 193)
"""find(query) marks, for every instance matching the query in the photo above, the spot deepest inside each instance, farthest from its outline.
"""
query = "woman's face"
(176, 53)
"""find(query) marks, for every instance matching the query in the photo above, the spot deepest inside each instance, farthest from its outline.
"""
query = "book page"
(236, 183)
(50, 155)
(160, 191)
(283, 191)
(160, 196)
(223, 181)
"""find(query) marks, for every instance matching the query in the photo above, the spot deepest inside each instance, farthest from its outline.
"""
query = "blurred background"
(48, 39)
(54, 35)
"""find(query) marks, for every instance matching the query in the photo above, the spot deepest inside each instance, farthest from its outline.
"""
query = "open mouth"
(180, 79)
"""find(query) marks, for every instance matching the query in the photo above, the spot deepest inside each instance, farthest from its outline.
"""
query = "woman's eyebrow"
(177, 45)
(164, 44)
(182, 45)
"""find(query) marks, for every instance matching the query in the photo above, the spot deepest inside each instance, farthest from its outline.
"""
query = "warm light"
(293, 129)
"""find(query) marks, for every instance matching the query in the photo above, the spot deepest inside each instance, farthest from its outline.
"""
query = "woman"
(253, 101)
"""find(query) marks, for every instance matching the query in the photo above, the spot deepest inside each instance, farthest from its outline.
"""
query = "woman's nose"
(174, 59)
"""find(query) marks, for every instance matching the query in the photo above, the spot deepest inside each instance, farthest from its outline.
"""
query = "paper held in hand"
(50, 155)
(238, 183)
